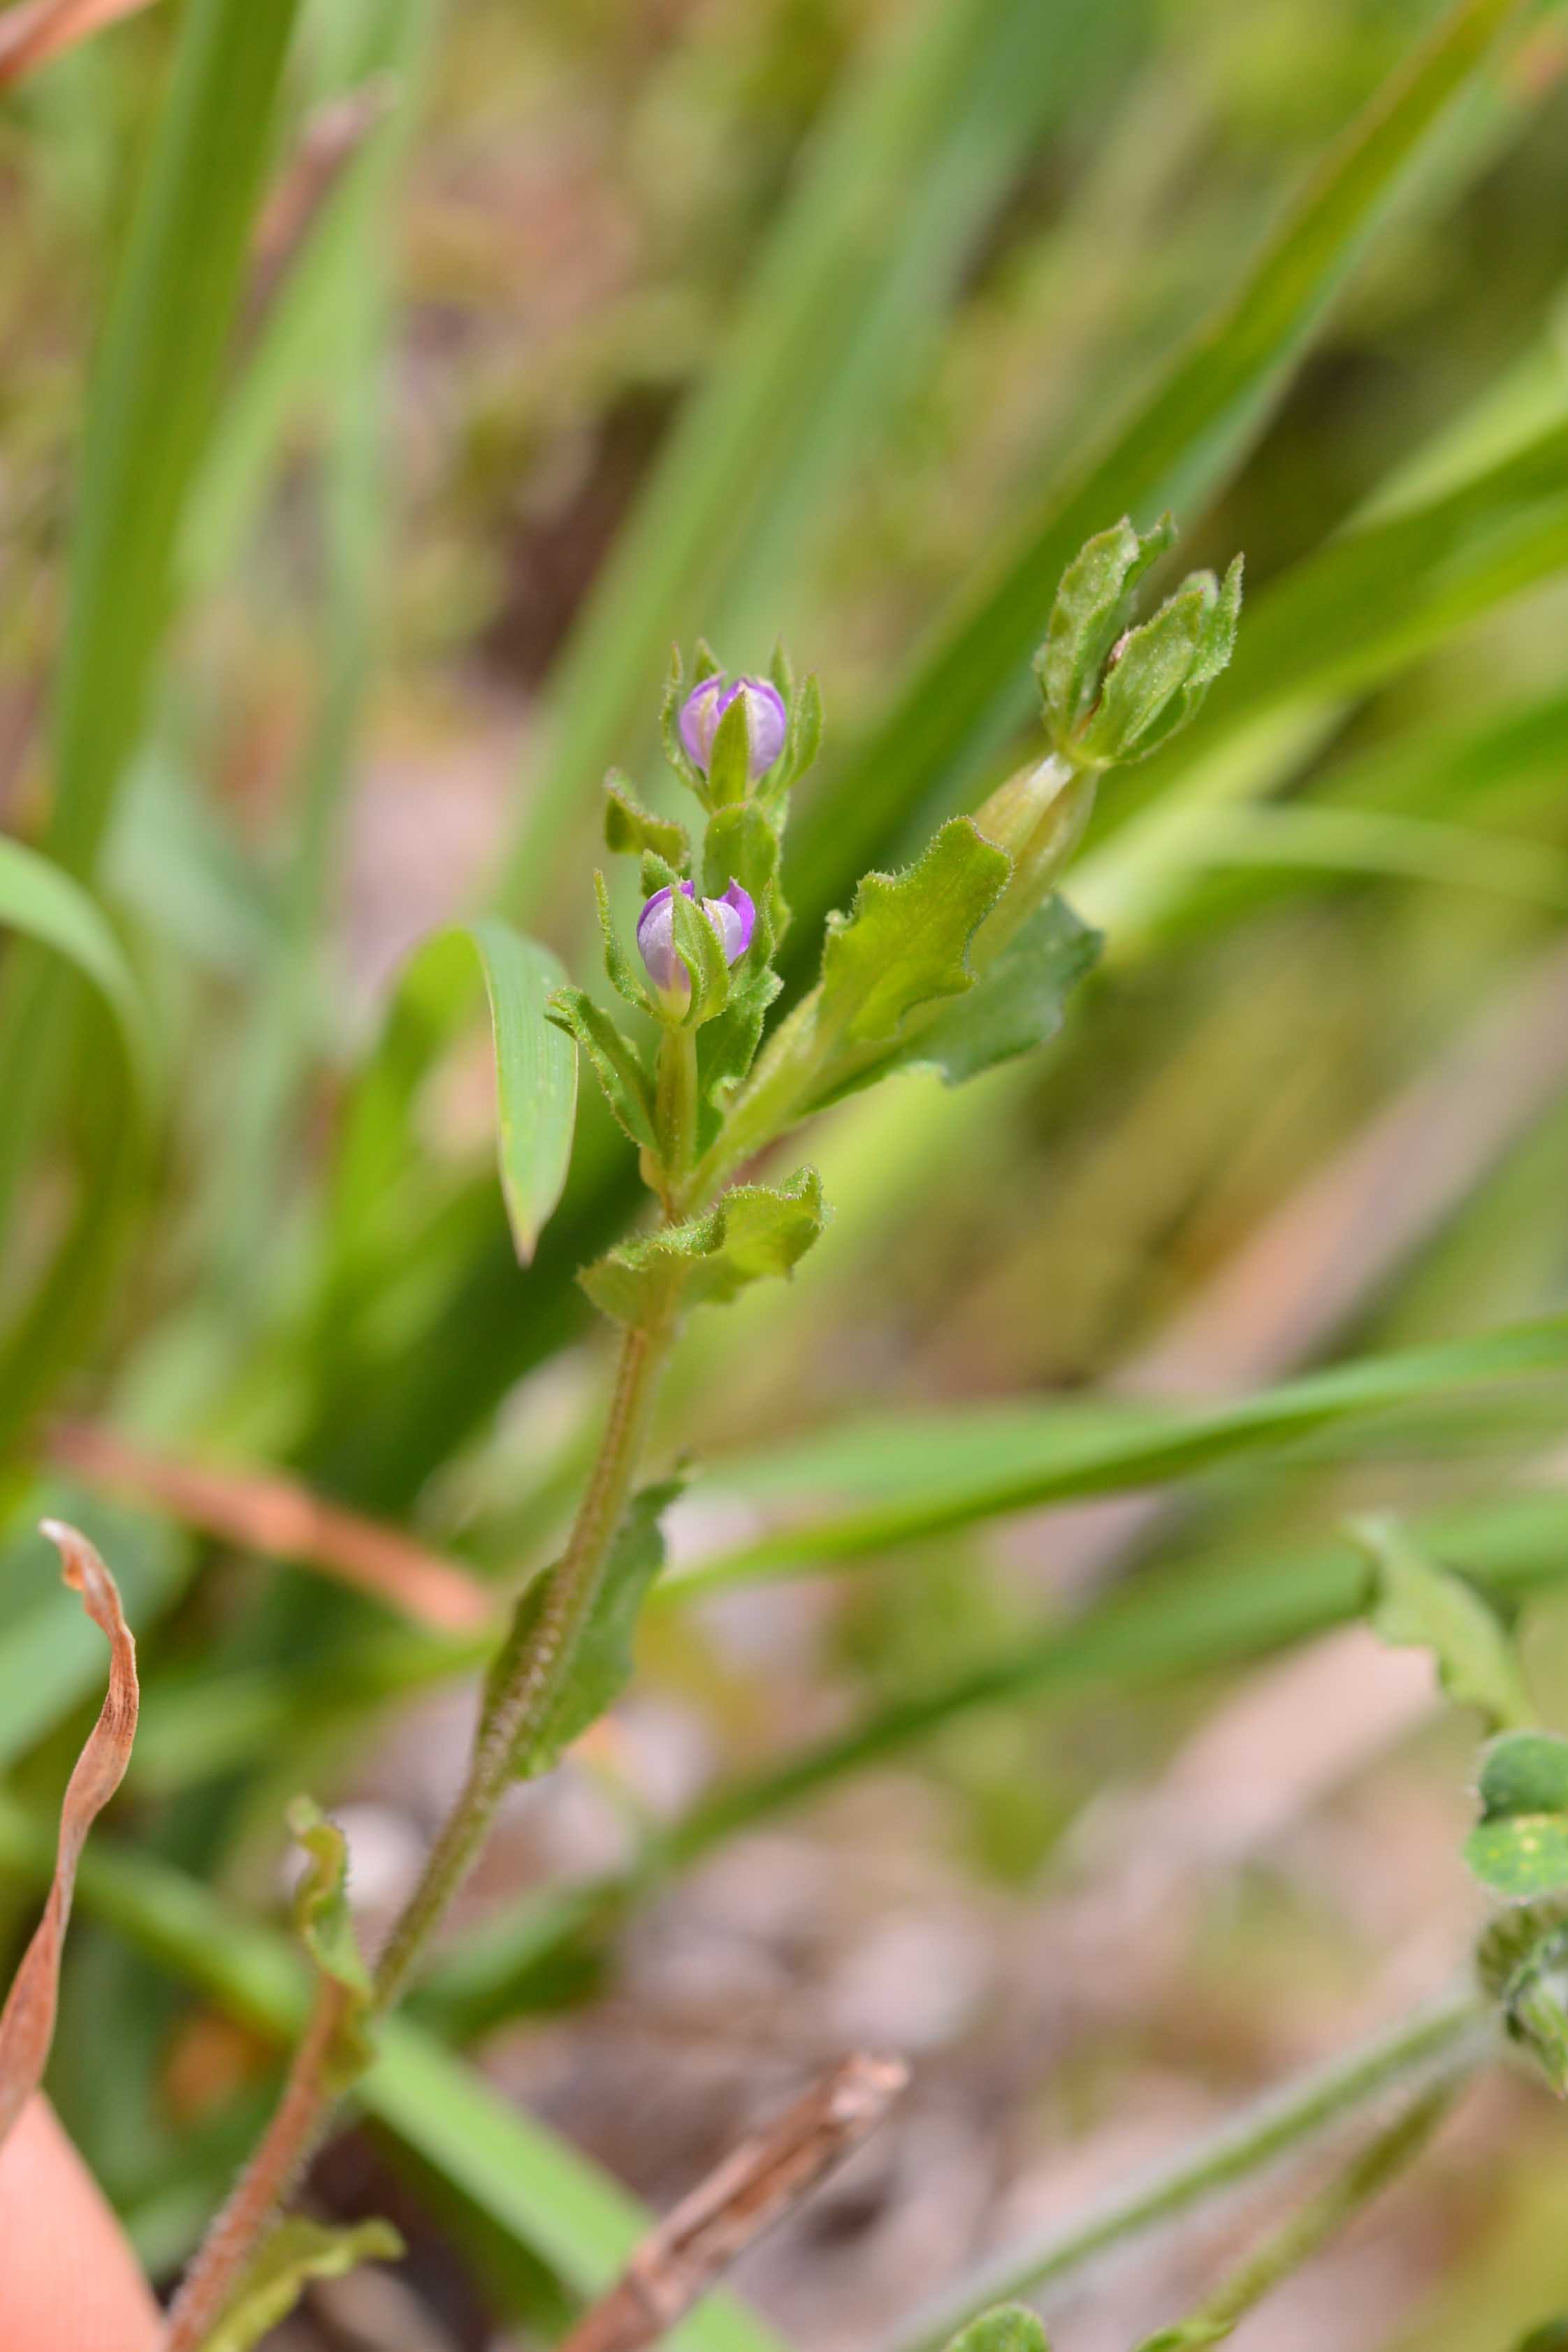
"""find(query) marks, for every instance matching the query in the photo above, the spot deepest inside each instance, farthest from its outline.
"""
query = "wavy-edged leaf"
(613, 1060)
(1016, 1003)
(1415, 1603)
(27, 2019)
(325, 1926)
(292, 2256)
(755, 1231)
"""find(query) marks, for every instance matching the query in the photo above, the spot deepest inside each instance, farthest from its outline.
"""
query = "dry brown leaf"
(27, 2019)
(37, 30)
(283, 1520)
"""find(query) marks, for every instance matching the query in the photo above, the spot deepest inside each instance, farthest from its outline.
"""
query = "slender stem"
(1449, 2036)
(521, 1702)
(1309, 2230)
(272, 2172)
(530, 1681)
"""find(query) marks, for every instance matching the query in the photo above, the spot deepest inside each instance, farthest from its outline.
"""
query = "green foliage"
(294, 2254)
(1523, 1963)
(614, 1059)
(755, 1231)
(631, 829)
(1414, 1602)
(601, 1666)
(1017, 1003)
(1520, 1848)
(1011, 2327)
(325, 1926)
(1093, 608)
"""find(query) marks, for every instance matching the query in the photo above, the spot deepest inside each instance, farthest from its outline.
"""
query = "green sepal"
(676, 691)
(741, 845)
(1010, 2327)
(325, 1926)
(1093, 608)
(730, 761)
(1016, 1003)
(614, 1059)
(623, 978)
(701, 951)
(705, 663)
(656, 872)
(288, 2258)
(630, 829)
(1414, 1603)
(803, 742)
(755, 1231)
(1520, 1848)
(602, 1666)
(1162, 670)
(1522, 1964)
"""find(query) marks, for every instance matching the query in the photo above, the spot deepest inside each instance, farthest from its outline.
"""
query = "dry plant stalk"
(765, 2178)
(37, 30)
(27, 2020)
(283, 1520)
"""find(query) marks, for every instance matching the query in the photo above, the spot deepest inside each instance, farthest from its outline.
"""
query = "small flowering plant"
(961, 962)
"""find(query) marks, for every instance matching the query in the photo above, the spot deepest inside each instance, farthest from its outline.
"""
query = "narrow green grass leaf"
(42, 901)
(911, 164)
(929, 1473)
(150, 410)
(970, 689)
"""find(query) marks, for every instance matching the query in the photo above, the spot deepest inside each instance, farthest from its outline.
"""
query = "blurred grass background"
(386, 384)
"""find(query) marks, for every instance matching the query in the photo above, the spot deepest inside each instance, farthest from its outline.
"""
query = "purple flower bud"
(767, 720)
(733, 917)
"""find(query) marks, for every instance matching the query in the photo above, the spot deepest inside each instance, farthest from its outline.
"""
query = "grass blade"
(929, 1474)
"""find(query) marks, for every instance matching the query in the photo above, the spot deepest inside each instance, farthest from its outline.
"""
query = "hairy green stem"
(1449, 2037)
(675, 1110)
(529, 1682)
(1309, 2230)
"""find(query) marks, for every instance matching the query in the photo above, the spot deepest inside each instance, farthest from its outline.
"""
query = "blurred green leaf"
(926, 1472)
(1415, 1603)
(1009, 2328)
(294, 2254)
(1520, 1848)
(42, 901)
(898, 186)
(325, 1926)
(967, 693)
(155, 383)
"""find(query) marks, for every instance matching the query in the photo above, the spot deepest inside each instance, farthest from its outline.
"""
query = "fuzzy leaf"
(1011, 2327)
(905, 942)
(1524, 1772)
(804, 740)
(613, 1058)
(296, 2252)
(325, 1927)
(27, 2019)
(623, 974)
(1016, 1003)
(1415, 1603)
(1521, 1857)
(755, 1231)
(1093, 607)
(602, 1665)
(631, 829)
